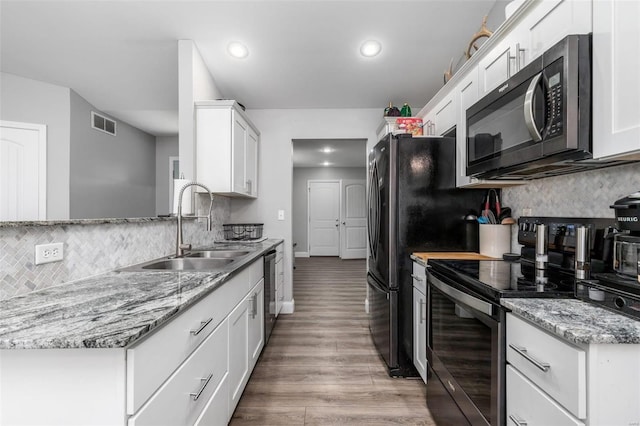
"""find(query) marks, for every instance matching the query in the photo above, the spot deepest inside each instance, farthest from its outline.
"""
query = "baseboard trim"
(302, 254)
(288, 307)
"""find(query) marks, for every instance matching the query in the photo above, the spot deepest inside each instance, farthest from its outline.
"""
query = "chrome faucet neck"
(180, 246)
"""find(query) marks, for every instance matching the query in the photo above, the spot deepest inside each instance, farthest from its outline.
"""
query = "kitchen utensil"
(506, 212)
(583, 253)
(508, 221)
(541, 246)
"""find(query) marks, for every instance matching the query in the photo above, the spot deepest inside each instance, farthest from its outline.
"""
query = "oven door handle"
(459, 296)
(529, 117)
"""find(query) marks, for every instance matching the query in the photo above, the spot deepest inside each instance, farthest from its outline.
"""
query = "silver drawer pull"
(203, 325)
(206, 381)
(523, 351)
(517, 421)
(417, 277)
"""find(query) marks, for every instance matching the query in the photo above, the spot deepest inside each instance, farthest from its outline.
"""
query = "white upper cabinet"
(542, 25)
(616, 87)
(226, 149)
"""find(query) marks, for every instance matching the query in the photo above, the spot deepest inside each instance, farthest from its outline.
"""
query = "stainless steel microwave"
(538, 123)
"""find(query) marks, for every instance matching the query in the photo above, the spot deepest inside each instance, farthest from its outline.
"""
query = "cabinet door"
(238, 350)
(467, 91)
(616, 87)
(251, 162)
(279, 286)
(446, 114)
(495, 67)
(528, 405)
(420, 333)
(240, 129)
(256, 323)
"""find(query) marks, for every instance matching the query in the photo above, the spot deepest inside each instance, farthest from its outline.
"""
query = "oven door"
(465, 353)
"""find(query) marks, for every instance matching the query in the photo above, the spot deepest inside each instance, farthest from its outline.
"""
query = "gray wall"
(111, 176)
(30, 101)
(166, 146)
(299, 194)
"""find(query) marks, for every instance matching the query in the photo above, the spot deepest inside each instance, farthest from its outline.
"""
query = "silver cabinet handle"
(519, 57)
(417, 278)
(203, 325)
(517, 421)
(422, 303)
(529, 119)
(206, 380)
(523, 352)
(254, 309)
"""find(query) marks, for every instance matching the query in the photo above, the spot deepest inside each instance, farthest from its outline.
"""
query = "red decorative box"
(409, 125)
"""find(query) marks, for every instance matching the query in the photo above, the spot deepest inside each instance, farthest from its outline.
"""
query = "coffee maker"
(619, 290)
(626, 244)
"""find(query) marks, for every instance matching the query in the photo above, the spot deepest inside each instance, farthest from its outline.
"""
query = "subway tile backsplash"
(91, 249)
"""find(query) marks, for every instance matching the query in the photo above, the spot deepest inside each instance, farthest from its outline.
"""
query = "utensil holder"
(495, 240)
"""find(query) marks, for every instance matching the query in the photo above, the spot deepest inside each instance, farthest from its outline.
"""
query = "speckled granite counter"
(111, 310)
(576, 321)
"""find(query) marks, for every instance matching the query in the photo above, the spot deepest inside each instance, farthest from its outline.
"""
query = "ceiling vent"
(102, 123)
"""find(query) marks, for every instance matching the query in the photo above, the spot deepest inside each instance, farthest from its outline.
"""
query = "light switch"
(280, 214)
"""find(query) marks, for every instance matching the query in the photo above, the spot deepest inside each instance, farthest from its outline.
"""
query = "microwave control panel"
(555, 95)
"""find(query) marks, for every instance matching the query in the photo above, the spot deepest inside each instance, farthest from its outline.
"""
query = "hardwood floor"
(320, 366)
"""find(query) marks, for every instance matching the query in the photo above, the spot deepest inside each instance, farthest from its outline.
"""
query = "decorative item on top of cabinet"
(483, 33)
(226, 149)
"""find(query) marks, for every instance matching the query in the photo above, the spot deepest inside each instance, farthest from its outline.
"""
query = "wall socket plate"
(280, 214)
(527, 212)
(47, 253)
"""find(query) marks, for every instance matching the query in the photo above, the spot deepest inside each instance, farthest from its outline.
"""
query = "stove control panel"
(562, 231)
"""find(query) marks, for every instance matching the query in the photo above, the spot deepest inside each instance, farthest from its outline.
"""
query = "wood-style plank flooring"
(320, 366)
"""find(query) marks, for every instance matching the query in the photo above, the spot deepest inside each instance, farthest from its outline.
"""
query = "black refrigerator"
(413, 206)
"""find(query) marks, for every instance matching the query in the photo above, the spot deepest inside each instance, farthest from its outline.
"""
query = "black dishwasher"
(269, 293)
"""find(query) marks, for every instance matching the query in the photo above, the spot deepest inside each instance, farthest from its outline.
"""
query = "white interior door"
(353, 235)
(23, 171)
(324, 218)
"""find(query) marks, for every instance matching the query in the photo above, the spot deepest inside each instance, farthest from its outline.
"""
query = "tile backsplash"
(585, 194)
(91, 249)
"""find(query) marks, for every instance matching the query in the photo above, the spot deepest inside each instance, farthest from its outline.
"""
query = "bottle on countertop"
(406, 110)
(391, 111)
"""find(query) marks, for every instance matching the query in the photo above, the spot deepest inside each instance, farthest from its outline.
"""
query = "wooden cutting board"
(458, 255)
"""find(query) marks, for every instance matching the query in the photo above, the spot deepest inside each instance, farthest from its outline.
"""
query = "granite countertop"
(577, 321)
(111, 310)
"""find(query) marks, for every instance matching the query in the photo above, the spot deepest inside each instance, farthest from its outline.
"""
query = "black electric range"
(496, 279)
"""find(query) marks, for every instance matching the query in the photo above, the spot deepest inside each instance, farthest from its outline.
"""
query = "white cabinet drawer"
(532, 351)
(527, 404)
(216, 412)
(183, 397)
(279, 252)
(419, 276)
(150, 362)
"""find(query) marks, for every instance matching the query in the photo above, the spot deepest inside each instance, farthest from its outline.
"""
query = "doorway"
(324, 218)
(23, 171)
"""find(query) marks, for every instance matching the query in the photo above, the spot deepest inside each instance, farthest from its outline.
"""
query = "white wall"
(32, 101)
(195, 83)
(166, 146)
(301, 175)
(277, 129)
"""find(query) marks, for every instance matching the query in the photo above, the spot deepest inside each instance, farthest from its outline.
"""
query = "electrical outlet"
(47, 253)
(527, 211)
(280, 214)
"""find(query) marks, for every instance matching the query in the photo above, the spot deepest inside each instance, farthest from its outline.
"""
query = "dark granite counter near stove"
(576, 321)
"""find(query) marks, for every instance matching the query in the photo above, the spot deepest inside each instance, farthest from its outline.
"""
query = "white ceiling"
(121, 56)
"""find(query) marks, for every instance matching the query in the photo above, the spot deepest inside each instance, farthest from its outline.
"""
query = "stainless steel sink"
(218, 254)
(181, 264)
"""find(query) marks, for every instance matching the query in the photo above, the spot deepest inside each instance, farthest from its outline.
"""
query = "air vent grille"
(102, 123)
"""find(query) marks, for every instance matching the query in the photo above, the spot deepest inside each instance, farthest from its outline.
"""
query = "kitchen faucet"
(180, 246)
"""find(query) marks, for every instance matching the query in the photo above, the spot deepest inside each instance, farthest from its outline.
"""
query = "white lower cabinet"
(191, 371)
(180, 400)
(551, 381)
(528, 405)
(420, 319)
(246, 339)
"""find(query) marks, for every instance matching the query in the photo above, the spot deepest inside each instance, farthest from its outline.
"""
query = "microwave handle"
(529, 118)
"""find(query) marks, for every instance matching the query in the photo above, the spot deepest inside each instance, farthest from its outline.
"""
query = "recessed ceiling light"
(370, 48)
(327, 150)
(237, 50)
(326, 163)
